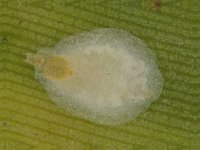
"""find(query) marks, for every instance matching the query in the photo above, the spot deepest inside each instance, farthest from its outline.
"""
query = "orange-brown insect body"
(52, 67)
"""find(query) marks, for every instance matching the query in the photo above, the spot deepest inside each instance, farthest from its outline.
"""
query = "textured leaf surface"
(30, 120)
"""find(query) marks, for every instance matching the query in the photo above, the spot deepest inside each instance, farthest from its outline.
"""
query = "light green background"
(28, 118)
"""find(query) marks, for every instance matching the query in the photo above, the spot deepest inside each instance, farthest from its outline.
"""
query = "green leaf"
(29, 119)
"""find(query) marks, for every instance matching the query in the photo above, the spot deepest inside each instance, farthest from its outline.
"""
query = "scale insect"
(107, 76)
